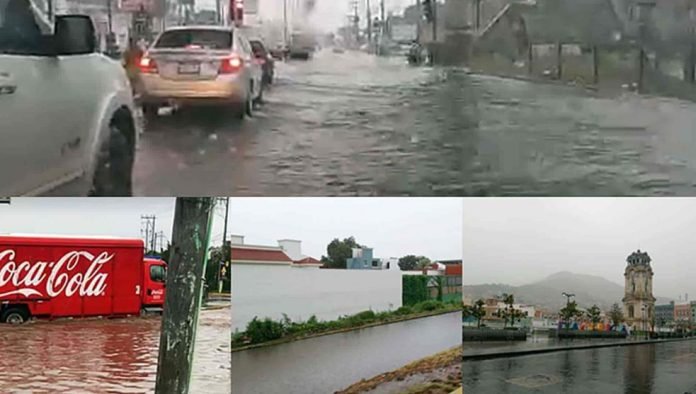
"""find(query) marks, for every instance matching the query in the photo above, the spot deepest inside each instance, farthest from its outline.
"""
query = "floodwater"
(98, 355)
(638, 369)
(535, 341)
(333, 362)
(355, 124)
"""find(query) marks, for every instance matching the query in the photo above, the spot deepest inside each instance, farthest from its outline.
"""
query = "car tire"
(14, 315)
(249, 104)
(113, 174)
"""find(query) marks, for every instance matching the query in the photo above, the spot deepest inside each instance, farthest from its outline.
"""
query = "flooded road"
(98, 356)
(655, 368)
(537, 341)
(333, 362)
(354, 124)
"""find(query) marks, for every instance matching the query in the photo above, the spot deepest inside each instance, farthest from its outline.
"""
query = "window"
(20, 33)
(205, 39)
(158, 273)
(257, 48)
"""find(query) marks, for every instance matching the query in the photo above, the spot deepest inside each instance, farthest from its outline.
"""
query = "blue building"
(362, 260)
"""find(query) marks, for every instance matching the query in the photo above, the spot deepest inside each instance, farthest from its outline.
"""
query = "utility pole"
(478, 16)
(285, 22)
(148, 222)
(369, 26)
(419, 7)
(190, 238)
(218, 11)
(226, 252)
(435, 16)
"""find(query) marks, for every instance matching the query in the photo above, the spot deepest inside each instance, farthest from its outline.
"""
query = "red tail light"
(231, 65)
(148, 65)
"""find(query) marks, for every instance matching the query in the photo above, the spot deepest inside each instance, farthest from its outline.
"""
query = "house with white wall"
(267, 282)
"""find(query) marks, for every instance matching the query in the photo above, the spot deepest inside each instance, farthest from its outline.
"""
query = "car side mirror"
(74, 35)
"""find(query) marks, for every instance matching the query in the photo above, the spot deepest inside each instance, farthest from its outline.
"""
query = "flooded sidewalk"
(98, 355)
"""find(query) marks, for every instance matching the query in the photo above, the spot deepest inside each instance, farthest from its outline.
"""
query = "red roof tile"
(251, 254)
(308, 260)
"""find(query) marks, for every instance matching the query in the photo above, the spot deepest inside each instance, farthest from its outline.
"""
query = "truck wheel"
(14, 316)
(114, 170)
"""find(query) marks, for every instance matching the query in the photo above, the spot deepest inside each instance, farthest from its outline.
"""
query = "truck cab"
(154, 282)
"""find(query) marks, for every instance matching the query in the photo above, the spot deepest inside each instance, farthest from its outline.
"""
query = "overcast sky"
(518, 241)
(328, 14)
(394, 227)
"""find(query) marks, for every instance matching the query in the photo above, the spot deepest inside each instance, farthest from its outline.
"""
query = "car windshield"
(200, 38)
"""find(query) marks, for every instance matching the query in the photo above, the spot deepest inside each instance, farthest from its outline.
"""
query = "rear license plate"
(187, 68)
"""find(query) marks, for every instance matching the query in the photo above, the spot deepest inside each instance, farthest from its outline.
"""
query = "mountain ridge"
(547, 292)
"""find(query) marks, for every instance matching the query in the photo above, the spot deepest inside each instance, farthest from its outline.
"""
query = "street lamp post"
(568, 296)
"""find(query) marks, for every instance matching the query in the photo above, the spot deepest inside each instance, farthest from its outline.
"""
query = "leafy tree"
(593, 313)
(423, 262)
(408, 263)
(338, 251)
(509, 313)
(616, 314)
(411, 262)
(218, 256)
(478, 311)
(570, 311)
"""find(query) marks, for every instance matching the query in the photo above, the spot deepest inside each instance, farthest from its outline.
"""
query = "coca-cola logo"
(55, 277)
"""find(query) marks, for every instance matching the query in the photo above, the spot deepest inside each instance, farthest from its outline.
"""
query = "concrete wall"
(270, 291)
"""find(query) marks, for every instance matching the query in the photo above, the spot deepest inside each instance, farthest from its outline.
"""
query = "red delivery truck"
(52, 277)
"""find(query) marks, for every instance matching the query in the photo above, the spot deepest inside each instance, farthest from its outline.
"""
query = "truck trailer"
(49, 277)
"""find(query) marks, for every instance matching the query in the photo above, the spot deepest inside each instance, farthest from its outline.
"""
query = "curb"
(340, 331)
(528, 352)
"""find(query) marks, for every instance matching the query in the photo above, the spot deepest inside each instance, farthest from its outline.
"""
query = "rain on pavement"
(638, 369)
(100, 355)
(355, 124)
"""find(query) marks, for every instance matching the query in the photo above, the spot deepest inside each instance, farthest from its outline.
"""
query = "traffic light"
(428, 9)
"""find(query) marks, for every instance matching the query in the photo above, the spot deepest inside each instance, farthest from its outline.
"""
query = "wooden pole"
(559, 59)
(530, 58)
(595, 65)
(190, 238)
(641, 68)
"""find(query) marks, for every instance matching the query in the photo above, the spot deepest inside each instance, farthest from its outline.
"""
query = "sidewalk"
(471, 353)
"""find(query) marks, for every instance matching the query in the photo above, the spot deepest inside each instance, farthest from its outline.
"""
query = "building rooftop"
(260, 254)
(308, 261)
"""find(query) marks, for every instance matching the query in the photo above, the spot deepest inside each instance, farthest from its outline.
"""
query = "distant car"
(264, 59)
(200, 65)
(279, 53)
(66, 111)
(302, 46)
